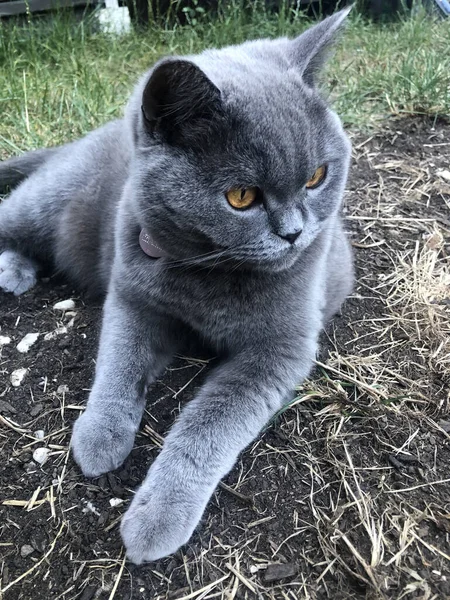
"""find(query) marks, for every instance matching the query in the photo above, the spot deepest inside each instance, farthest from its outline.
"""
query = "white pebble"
(444, 174)
(25, 344)
(40, 455)
(62, 389)
(90, 508)
(70, 314)
(116, 501)
(4, 340)
(58, 331)
(26, 550)
(17, 377)
(39, 434)
(64, 305)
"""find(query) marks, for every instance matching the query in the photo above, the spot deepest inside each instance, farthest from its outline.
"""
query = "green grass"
(60, 78)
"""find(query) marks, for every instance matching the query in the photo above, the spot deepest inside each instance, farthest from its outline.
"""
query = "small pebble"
(6, 407)
(64, 305)
(17, 377)
(39, 434)
(90, 508)
(4, 340)
(89, 593)
(25, 344)
(275, 572)
(26, 550)
(36, 409)
(62, 389)
(40, 455)
(58, 331)
(444, 174)
(445, 425)
(116, 501)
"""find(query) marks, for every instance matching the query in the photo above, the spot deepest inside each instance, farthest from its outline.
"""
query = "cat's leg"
(236, 402)
(134, 348)
(17, 272)
(28, 225)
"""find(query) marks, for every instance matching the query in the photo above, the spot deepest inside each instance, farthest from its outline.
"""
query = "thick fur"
(13, 171)
(195, 127)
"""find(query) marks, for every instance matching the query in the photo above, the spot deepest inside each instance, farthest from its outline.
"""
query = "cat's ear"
(179, 102)
(311, 49)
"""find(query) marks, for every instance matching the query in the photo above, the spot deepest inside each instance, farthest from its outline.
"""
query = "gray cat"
(211, 210)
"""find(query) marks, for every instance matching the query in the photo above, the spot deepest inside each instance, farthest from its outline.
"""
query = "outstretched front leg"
(236, 402)
(134, 348)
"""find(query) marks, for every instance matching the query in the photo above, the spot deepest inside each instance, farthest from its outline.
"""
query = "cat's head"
(238, 159)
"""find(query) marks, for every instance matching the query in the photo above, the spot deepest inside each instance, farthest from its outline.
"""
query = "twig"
(416, 487)
(119, 575)
(36, 565)
(208, 588)
(230, 490)
(239, 575)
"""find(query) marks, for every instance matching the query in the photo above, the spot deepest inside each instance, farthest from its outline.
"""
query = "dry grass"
(349, 490)
(419, 295)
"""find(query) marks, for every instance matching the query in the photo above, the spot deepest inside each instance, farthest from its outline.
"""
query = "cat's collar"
(149, 247)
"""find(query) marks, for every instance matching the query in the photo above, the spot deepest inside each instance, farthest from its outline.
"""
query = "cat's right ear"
(310, 50)
(179, 103)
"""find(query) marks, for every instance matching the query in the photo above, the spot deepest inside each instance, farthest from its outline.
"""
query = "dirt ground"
(347, 493)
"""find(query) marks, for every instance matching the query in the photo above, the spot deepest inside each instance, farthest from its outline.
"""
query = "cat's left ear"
(180, 103)
(310, 49)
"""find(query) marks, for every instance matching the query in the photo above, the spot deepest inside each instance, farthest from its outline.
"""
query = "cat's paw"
(17, 273)
(157, 524)
(100, 442)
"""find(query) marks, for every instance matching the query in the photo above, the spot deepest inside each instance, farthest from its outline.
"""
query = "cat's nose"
(291, 237)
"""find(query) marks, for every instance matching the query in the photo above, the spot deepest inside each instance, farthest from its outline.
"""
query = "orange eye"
(317, 178)
(241, 197)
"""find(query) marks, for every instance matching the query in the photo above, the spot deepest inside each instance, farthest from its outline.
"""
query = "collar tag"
(148, 246)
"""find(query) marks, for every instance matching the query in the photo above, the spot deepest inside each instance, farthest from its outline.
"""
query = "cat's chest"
(208, 297)
(225, 308)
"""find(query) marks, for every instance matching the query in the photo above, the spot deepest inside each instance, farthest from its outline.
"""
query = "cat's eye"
(317, 178)
(241, 198)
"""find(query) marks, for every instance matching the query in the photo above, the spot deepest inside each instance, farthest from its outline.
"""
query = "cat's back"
(93, 174)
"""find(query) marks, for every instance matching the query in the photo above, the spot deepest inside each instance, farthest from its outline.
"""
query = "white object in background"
(114, 18)
(64, 305)
(25, 344)
(40, 455)
(17, 377)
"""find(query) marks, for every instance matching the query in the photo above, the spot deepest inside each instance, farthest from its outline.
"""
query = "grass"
(59, 78)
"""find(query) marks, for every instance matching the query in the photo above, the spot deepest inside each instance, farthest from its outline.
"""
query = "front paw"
(158, 522)
(100, 443)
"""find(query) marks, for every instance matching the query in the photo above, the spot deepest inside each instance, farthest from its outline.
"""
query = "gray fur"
(13, 171)
(244, 115)
(17, 272)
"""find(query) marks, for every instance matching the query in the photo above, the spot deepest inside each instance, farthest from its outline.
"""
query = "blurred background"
(143, 10)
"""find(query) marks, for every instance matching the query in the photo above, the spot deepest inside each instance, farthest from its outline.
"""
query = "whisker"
(206, 255)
